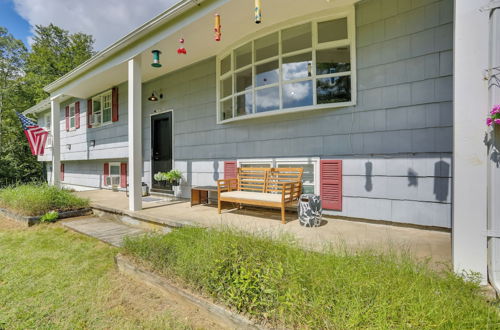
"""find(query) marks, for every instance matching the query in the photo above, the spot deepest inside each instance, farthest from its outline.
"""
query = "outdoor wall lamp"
(153, 96)
(68, 146)
(92, 143)
(156, 59)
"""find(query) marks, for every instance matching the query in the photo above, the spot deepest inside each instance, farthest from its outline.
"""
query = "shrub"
(38, 199)
(49, 216)
(277, 282)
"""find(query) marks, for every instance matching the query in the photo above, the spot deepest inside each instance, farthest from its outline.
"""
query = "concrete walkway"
(105, 230)
(353, 235)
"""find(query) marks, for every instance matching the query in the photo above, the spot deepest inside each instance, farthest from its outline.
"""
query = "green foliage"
(23, 75)
(171, 176)
(38, 199)
(160, 176)
(50, 216)
(51, 278)
(277, 282)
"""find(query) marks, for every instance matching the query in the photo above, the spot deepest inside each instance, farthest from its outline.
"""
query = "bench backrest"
(268, 180)
(252, 179)
(277, 177)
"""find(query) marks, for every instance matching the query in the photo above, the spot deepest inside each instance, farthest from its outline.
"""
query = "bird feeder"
(258, 12)
(156, 59)
(217, 29)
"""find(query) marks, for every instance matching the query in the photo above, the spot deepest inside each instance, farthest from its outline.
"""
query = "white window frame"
(100, 113)
(345, 12)
(275, 162)
(72, 116)
(47, 118)
(110, 176)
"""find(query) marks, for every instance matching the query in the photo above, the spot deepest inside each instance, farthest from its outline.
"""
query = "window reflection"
(298, 66)
(267, 99)
(333, 90)
(267, 73)
(333, 60)
(298, 94)
(244, 104)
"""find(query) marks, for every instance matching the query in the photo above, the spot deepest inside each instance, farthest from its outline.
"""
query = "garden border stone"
(32, 220)
(232, 319)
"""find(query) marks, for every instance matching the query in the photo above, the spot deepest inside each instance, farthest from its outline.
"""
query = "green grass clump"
(39, 199)
(279, 283)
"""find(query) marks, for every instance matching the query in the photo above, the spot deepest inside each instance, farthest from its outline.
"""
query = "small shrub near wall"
(278, 283)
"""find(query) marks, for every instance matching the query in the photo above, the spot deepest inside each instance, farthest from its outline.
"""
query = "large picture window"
(301, 67)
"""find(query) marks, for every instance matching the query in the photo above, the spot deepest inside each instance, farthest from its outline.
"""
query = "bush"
(38, 199)
(277, 282)
(49, 216)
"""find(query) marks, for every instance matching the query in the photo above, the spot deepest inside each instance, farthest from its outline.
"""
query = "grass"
(38, 199)
(284, 286)
(51, 278)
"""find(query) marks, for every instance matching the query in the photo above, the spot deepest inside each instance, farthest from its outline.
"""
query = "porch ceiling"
(196, 27)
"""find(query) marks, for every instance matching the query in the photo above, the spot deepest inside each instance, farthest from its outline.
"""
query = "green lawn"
(51, 278)
(288, 287)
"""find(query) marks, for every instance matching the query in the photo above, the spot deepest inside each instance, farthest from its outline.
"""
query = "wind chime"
(258, 12)
(217, 29)
(181, 50)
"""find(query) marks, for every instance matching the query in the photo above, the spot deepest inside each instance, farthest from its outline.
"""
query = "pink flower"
(495, 110)
(489, 121)
(496, 121)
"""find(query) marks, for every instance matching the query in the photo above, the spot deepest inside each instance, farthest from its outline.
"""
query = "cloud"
(106, 20)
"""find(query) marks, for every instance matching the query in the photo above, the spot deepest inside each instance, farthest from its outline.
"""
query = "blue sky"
(10, 19)
(19, 16)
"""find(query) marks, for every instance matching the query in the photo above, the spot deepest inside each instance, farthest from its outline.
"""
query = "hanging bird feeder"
(258, 12)
(217, 29)
(156, 59)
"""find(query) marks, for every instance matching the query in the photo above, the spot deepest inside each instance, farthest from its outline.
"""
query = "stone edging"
(127, 267)
(32, 220)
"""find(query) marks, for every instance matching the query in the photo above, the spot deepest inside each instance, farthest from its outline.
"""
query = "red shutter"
(114, 105)
(230, 170)
(61, 174)
(106, 173)
(67, 117)
(331, 184)
(77, 115)
(89, 113)
(123, 174)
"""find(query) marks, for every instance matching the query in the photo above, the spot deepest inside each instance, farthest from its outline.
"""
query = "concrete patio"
(422, 243)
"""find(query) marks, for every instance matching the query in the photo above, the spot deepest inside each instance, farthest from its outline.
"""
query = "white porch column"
(471, 53)
(55, 124)
(135, 133)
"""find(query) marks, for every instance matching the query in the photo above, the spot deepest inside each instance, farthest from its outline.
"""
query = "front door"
(161, 148)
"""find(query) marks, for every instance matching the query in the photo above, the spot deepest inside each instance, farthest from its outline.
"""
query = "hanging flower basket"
(494, 117)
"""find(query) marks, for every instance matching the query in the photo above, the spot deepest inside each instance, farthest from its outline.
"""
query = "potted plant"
(174, 177)
(494, 117)
(161, 177)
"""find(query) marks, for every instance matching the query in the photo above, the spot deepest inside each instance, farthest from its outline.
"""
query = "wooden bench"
(274, 187)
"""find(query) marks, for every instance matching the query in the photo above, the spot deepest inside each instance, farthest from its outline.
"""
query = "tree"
(23, 75)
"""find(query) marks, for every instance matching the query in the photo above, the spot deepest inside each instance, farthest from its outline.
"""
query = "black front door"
(161, 147)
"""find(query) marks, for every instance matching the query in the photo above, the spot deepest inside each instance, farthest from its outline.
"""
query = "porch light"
(153, 97)
(156, 59)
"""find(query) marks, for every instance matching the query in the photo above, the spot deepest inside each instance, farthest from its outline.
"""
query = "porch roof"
(190, 19)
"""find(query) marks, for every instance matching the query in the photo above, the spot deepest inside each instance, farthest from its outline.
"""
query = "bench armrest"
(291, 191)
(226, 185)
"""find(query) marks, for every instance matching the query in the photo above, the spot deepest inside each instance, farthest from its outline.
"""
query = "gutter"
(39, 107)
(176, 10)
(493, 224)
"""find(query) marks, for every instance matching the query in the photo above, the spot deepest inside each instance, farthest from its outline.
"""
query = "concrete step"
(108, 231)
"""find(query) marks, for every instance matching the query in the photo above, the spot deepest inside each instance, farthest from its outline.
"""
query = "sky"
(106, 20)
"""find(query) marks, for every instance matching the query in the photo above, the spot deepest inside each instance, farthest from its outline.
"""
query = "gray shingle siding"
(396, 142)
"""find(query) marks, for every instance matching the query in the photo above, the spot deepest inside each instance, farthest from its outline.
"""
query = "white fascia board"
(171, 13)
(39, 107)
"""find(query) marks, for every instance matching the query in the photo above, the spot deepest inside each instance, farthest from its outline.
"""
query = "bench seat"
(251, 196)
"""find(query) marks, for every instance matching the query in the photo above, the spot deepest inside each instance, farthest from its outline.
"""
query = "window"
(102, 109)
(47, 120)
(72, 118)
(114, 175)
(301, 67)
(310, 176)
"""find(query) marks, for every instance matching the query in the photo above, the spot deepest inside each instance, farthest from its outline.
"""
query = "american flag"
(36, 135)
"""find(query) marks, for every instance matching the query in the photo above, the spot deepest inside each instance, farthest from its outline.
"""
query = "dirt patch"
(9, 224)
(139, 299)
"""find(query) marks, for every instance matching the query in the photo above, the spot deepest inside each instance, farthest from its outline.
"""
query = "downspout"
(493, 225)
